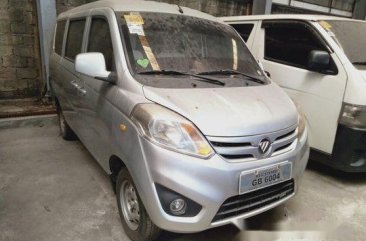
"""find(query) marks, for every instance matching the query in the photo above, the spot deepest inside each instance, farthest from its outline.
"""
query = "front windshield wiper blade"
(174, 72)
(231, 72)
(359, 63)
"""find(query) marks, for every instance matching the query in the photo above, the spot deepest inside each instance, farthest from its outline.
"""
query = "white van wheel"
(135, 220)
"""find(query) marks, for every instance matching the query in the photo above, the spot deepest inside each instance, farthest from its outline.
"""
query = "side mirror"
(92, 64)
(318, 61)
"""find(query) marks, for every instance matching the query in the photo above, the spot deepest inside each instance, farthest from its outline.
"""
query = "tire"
(65, 130)
(130, 207)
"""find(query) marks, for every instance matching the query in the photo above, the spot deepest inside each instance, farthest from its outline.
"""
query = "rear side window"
(60, 29)
(100, 41)
(74, 38)
(291, 43)
(244, 30)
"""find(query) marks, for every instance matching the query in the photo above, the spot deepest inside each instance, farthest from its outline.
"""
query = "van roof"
(138, 6)
(285, 16)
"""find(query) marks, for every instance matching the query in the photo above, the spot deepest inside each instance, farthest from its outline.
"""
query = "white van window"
(158, 41)
(291, 43)
(244, 30)
(74, 38)
(352, 37)
(100, 40)
(59, 38)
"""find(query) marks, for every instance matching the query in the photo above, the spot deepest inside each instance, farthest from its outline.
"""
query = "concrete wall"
(359, 11)
(63, 5)
(20, 74)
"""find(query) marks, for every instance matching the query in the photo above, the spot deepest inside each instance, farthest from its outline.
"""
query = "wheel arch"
(116, 164)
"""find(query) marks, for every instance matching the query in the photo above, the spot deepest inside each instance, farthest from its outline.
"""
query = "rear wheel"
(65, 130)
(135, 220)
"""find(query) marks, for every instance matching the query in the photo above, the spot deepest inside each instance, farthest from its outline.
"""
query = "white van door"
(284, 47)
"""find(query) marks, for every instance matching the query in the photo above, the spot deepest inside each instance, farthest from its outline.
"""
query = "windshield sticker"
(136, 29)
(325, 25)
(150, 55)
(134, 19)
(143, 63)
(235, 55)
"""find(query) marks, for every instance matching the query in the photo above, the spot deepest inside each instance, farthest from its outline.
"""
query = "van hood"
(239, 111)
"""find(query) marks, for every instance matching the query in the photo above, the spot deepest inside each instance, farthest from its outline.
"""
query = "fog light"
(178, 206)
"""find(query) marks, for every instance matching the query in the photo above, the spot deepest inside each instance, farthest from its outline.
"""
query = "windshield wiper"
(174, 72)
(359, 63)
(232, 72)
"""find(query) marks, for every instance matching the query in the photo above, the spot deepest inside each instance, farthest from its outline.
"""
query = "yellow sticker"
(134, 19)
(149, 54)
(325, 25)
(235, 55)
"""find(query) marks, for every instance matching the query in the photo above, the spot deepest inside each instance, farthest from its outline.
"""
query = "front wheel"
(135, 220)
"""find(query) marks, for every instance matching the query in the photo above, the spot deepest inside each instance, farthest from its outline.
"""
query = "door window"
(74, 38)
(291, 43)
(244, 30)
(59, 38)
(100, 41)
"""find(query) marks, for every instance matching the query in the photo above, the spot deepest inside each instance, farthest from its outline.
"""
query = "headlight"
(353, 116)
(301, 122)
(170, 130)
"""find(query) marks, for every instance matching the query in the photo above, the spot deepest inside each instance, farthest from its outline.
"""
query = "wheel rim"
(62, 122)
(130, 205)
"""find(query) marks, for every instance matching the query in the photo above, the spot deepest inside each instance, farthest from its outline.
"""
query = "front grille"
(246, 147)
(247, 202)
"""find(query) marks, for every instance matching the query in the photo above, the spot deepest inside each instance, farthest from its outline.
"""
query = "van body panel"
(356, 86)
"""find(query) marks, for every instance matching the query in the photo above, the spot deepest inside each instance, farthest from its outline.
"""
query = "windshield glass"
(171, 42)
(351, 35)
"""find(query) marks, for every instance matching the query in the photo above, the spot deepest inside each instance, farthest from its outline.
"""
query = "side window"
(59, 38)
(100, 41)
(74, 38)
(290, 43)
(244, 30)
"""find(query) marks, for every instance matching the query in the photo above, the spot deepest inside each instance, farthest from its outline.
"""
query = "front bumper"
(349, 151)
(207, 182)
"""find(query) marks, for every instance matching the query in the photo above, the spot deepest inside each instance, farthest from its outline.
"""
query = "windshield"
(171, 42)
(351, 35)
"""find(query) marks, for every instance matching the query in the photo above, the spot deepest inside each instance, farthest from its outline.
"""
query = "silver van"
(174, 107)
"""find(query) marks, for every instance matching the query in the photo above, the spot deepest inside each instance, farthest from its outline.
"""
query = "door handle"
(82, 91)
(267, 73)
(73, 83)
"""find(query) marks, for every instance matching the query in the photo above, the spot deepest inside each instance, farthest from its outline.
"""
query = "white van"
(321, 63)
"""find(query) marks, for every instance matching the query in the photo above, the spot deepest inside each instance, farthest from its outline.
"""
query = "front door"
(96, 96)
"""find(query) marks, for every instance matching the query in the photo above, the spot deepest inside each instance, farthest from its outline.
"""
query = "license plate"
(262, 177)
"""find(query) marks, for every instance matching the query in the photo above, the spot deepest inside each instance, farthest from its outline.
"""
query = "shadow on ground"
(344, 177)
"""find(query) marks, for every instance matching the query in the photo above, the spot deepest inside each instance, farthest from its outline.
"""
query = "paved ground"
(54, 190)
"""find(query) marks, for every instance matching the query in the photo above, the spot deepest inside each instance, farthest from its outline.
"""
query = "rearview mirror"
(92, 64)
(318, 61)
